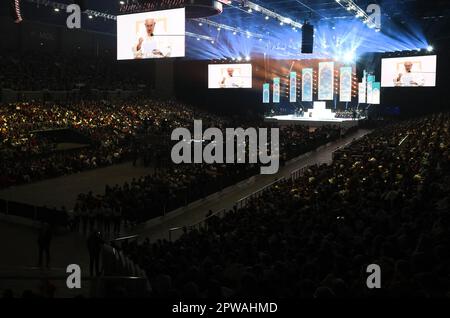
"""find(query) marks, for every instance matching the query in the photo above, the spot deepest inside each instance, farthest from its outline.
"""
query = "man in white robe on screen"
(150, 45)
(409, 78)
(229, 80)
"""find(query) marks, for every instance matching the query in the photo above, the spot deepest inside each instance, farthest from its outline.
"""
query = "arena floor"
(19, 260)
(63, 191)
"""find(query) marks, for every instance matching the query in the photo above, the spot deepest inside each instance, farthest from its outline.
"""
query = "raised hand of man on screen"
(150, 45)
(157, 52)
(139, 45)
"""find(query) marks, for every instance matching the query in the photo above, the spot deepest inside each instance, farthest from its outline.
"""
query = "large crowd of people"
(94, 204)
(27, 156)
(177, 185)
(383, 200)
(112, 130)
(33, 71)
(127, 131)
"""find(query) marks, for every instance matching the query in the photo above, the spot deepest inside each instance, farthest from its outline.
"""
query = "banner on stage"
(307, 85)
(326, 80)
(276, 90)
(370, 81)
(266, 93)
(376, 93)
(293, 87)
(362, 93)
(345, 93)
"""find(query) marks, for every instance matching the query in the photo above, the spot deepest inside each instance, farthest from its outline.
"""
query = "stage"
(318, 116)
(345, 123)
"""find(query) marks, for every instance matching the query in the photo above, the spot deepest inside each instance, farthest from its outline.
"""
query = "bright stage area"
(314, 122)
(318, 116)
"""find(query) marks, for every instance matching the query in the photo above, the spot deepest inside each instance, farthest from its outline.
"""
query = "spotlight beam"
(272, 14)
(199, 36)
(311, 9)
(63, 6)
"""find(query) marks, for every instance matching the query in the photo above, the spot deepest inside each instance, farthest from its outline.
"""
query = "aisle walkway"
(159, 228)
(18, 246)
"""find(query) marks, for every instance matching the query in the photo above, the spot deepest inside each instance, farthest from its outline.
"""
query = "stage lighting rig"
(200, 36)
(221, 26)
(350, 5)
(271, 14)
(134, 6)
(194, 8)
(63, 6)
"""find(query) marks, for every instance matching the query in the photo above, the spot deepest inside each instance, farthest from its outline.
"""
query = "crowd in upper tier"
(28, 155)
(384, 200)
(37, 70)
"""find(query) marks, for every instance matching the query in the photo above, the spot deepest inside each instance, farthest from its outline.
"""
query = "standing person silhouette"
(94, 245)
(44, 242)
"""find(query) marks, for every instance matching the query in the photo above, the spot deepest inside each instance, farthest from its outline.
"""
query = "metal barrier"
(118, 274)
(244, 201)
(222, 212)
(295, 175)
(196, 226)
(126, 238)
(298, 173)
(93, 287)
(34, 213)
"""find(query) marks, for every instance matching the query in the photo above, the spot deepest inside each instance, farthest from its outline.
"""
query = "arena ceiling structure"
(339, 31)
(242, 29)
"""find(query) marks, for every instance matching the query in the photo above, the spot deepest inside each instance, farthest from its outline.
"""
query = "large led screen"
(156, 34)
(230, 76)
(413, 71)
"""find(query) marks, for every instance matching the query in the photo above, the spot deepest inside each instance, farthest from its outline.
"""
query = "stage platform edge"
(345, 123)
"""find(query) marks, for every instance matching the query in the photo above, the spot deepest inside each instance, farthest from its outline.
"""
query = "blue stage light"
(340, 36)
(349, 57)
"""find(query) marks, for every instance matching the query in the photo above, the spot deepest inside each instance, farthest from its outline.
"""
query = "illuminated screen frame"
(427, 64)
(221, 79)
(168, 39)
